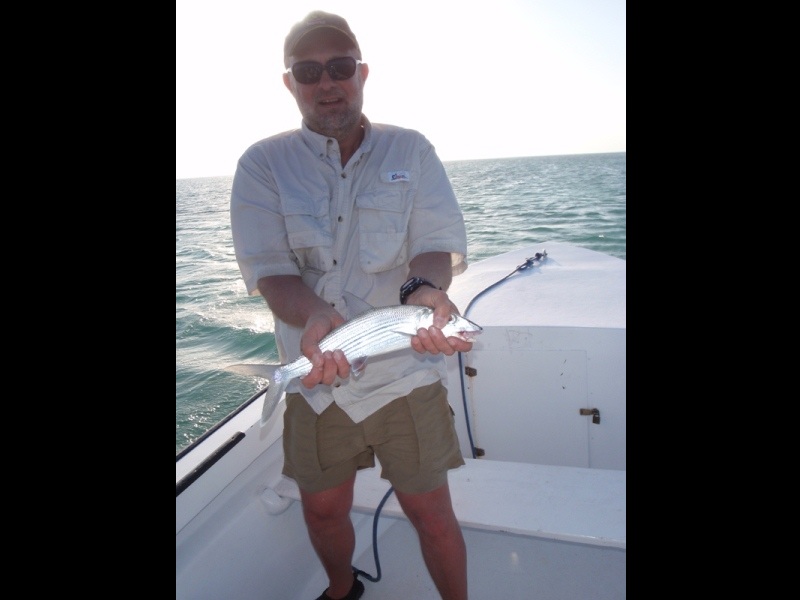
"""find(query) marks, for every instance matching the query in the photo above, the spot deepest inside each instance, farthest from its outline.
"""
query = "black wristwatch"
(410, 286)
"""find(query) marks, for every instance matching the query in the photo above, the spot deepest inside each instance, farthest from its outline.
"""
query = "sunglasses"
(339, 69)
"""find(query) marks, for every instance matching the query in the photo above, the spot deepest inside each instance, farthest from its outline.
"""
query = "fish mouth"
(468, 336)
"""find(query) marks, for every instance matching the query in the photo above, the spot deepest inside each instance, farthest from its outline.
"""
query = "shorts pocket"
(435, 426)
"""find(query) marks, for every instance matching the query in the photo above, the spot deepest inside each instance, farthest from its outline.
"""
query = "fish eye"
(452, 319)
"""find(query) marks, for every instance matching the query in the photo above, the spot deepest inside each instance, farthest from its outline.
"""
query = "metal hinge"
(470, 371)
(595, 413)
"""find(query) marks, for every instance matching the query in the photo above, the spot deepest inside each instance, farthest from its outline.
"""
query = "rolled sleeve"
(437, 223)
(257, 223)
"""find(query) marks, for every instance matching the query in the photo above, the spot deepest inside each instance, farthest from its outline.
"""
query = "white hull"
(542, 508)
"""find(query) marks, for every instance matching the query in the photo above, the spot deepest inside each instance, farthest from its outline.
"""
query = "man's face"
(329, 107)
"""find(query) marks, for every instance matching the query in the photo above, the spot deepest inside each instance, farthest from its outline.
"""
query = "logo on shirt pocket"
(393, 176)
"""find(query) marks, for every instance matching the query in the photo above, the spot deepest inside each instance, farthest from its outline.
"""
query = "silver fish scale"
(376, 331)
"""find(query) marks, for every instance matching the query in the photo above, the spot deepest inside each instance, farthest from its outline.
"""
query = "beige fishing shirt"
(349, 233)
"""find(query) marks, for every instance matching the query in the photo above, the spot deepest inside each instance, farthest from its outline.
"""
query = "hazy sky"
(488, 79)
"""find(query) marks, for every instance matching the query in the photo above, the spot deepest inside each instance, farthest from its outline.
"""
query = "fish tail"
(274, 392)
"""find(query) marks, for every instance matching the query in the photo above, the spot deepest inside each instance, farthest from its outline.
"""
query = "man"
(340, 212)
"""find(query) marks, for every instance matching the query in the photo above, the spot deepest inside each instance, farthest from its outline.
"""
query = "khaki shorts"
(413, 436)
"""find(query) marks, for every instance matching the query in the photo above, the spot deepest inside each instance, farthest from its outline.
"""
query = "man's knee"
(328, 505)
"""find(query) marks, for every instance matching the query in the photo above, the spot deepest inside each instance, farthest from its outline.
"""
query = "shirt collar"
(319, 143)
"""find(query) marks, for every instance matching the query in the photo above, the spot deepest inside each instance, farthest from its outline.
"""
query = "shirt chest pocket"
(308, 231)
(383, 229)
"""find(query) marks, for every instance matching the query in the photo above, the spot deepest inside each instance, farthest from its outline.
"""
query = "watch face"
(411, 285)
(408, 287)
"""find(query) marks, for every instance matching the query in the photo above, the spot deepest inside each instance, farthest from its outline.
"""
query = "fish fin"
(254, 370)
(357, 367)
(355, 306)
(274, 392)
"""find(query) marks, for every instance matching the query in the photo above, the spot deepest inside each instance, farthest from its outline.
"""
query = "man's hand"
(432, 339)
(325, 367)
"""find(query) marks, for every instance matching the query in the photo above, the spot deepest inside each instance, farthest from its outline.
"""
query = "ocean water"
(508, 203)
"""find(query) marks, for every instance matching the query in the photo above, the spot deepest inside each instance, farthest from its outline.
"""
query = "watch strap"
(412, 285)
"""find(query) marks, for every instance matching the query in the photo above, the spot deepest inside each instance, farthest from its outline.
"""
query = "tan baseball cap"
(316, 20)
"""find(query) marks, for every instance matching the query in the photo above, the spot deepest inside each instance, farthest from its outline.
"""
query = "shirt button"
(334, 262)
(344, 175)
(340, 219)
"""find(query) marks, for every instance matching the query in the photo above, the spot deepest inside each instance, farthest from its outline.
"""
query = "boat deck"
(531, 527)
(499, 565)
(569, 504)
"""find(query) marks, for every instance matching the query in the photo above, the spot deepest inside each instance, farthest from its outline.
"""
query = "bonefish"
(375, 332)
